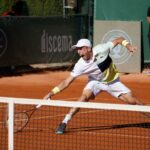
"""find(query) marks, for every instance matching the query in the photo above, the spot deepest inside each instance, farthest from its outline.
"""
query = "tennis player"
(102, 75)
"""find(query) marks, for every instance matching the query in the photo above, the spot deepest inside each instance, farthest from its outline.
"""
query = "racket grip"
(38, 106)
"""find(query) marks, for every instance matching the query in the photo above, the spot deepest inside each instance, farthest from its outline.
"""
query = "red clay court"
(89, 129)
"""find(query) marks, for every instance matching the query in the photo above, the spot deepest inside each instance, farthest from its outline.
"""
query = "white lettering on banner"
(55, 43)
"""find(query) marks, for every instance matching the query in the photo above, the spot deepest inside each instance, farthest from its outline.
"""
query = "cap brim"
(74, 47)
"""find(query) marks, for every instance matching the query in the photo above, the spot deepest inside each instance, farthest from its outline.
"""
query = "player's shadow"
(27, 69)
(145, 125)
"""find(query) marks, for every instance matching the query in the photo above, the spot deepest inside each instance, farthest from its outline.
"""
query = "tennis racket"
(21, 119)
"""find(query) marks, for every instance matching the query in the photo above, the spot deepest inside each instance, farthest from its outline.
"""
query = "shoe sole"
(59, 132)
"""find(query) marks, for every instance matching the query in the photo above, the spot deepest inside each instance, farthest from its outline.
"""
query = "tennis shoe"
(61, 128)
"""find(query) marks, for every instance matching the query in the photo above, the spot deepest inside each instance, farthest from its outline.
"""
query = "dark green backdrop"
(31, 40)
(127, 10)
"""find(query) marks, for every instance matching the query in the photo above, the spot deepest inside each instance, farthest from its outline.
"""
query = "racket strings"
(20, 121)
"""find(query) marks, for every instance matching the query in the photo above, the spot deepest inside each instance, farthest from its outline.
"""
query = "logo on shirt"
(119, 54)
(3, 42)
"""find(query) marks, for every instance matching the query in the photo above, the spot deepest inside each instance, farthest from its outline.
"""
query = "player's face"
(84, 52)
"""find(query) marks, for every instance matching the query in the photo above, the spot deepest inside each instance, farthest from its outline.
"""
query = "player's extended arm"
(64, 84)
(124, 43)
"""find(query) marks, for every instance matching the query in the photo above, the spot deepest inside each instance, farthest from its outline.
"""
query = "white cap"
(81, 43)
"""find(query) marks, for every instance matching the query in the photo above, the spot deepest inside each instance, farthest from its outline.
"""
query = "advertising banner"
(31, 40)
(131, 30)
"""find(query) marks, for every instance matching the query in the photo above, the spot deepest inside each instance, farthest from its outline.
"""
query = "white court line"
(88, 132)
(110, 134)
(61, 115)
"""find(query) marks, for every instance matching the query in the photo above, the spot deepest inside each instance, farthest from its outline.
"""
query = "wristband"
(55, 90)
(125, 43)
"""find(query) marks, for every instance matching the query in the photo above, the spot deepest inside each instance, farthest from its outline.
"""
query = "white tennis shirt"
(100, 67)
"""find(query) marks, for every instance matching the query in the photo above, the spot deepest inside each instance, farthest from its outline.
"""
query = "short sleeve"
(77, 70)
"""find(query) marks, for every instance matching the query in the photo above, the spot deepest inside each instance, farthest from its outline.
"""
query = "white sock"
(67, 118)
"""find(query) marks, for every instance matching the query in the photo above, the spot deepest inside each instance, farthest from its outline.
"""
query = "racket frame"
(25, 113)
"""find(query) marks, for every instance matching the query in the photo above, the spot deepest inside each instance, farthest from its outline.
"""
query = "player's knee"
(128, 98)
(132, 102)
(87, 95)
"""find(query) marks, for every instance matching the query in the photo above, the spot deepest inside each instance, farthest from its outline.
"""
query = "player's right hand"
(48, 96)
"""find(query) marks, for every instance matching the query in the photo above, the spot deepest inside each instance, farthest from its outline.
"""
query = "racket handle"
(38, 106)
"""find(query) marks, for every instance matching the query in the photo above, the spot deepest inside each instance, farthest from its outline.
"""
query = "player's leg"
(130, 99)
(120, 91)
(123, 93)
(89, 92)
(86, 96)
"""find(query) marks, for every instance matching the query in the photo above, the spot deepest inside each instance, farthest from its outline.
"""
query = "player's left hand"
(132, 48)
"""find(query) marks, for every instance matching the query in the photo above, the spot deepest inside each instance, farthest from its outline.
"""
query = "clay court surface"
(37, 85)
